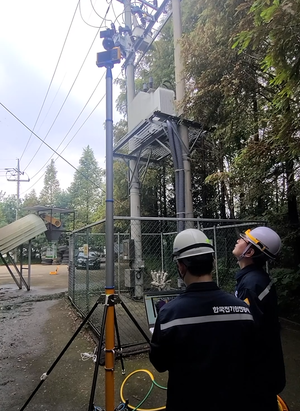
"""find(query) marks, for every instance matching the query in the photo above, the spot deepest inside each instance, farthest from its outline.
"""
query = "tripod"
(108, 304)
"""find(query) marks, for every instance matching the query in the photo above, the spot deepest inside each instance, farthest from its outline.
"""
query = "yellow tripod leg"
(282, 406)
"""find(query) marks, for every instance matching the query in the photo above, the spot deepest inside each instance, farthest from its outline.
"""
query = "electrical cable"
(67, 97)
(153, 383)
(117, 16)
(59, 155)
(93, 7)
(88, 24)
(51, 104)
(23, 124)
(73, 126)
(59, 111)
(72, 137)
(57, 63)
(78, 4)
(282, 406)
(70, 88)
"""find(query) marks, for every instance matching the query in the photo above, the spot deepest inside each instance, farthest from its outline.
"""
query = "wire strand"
(103, 18)
(64, 159)
(51, 81)
(98, 29)
(73, 126)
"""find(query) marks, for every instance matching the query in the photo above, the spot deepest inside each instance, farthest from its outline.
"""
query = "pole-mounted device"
(112, 55)
(107, 59)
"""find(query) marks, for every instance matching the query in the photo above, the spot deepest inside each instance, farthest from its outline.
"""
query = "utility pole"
(180, 92)
(135, 201)
(13, 174)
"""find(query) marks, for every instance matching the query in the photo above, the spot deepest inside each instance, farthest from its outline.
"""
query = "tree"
(31, 199)
(274, 30)
(86, 188)
(51, 189)
(8, 207)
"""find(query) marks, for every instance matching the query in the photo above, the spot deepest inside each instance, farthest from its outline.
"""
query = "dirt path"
(36, 325)
(32, 336)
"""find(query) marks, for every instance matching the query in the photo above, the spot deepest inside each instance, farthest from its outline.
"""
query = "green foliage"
(51, 189)
(86, 189)
(8, 210)
(31, 199)
(287, 283)
(226, 275)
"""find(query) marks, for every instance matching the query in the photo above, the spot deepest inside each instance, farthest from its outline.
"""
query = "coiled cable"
(153, 383)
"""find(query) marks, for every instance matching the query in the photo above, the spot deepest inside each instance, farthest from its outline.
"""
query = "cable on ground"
(153, 383)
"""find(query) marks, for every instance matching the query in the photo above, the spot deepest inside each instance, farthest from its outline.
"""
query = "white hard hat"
(191, 242)
(265, 239)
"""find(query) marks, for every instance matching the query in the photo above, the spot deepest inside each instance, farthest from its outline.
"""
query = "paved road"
(39, 279)
(44, 283)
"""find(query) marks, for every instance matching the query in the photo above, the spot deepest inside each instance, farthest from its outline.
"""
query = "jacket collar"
(246, 270)
(204, 286)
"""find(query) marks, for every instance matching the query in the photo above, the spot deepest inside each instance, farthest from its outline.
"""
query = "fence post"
(87, 290)
(119, 280)
(162, 252)
(216, 254)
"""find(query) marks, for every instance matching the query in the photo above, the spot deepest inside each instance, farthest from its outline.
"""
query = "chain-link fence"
(142, 264)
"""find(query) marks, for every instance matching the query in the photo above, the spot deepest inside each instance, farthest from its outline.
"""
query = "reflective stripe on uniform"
(266, 291)
(207, 319)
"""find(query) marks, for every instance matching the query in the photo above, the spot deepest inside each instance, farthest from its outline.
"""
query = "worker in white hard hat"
(254, 285)
(203, 337)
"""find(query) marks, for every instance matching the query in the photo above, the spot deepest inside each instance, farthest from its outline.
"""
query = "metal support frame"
(19, 271)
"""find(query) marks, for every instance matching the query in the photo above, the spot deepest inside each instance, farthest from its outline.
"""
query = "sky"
(48, 83)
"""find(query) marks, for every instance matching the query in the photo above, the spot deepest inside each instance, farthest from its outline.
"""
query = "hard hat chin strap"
(244, 252)
(179, 273)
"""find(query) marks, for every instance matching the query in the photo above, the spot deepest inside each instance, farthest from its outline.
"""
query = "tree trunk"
(293, 216)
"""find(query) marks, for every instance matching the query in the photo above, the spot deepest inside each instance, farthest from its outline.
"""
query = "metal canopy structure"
(48, 214)
(14, 235)
(149, 140)
(42, 209)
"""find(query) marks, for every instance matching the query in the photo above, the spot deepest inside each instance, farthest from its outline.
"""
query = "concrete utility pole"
(135, 201)
(13, 174)
(180, 92)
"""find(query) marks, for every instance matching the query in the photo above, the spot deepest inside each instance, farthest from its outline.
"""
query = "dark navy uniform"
(204, 339)
(254, 284)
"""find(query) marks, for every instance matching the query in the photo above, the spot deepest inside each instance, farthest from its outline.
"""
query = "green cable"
(153, 382)
(146, 396)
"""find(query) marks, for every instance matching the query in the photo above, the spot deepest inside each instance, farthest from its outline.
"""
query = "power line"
(58, 61)
(69, 92)
(69, 89)
(74, 125)
(75, 119)
(73, 135)
(117, 16)
(88, 24)
(103, 18)
(23, 124)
